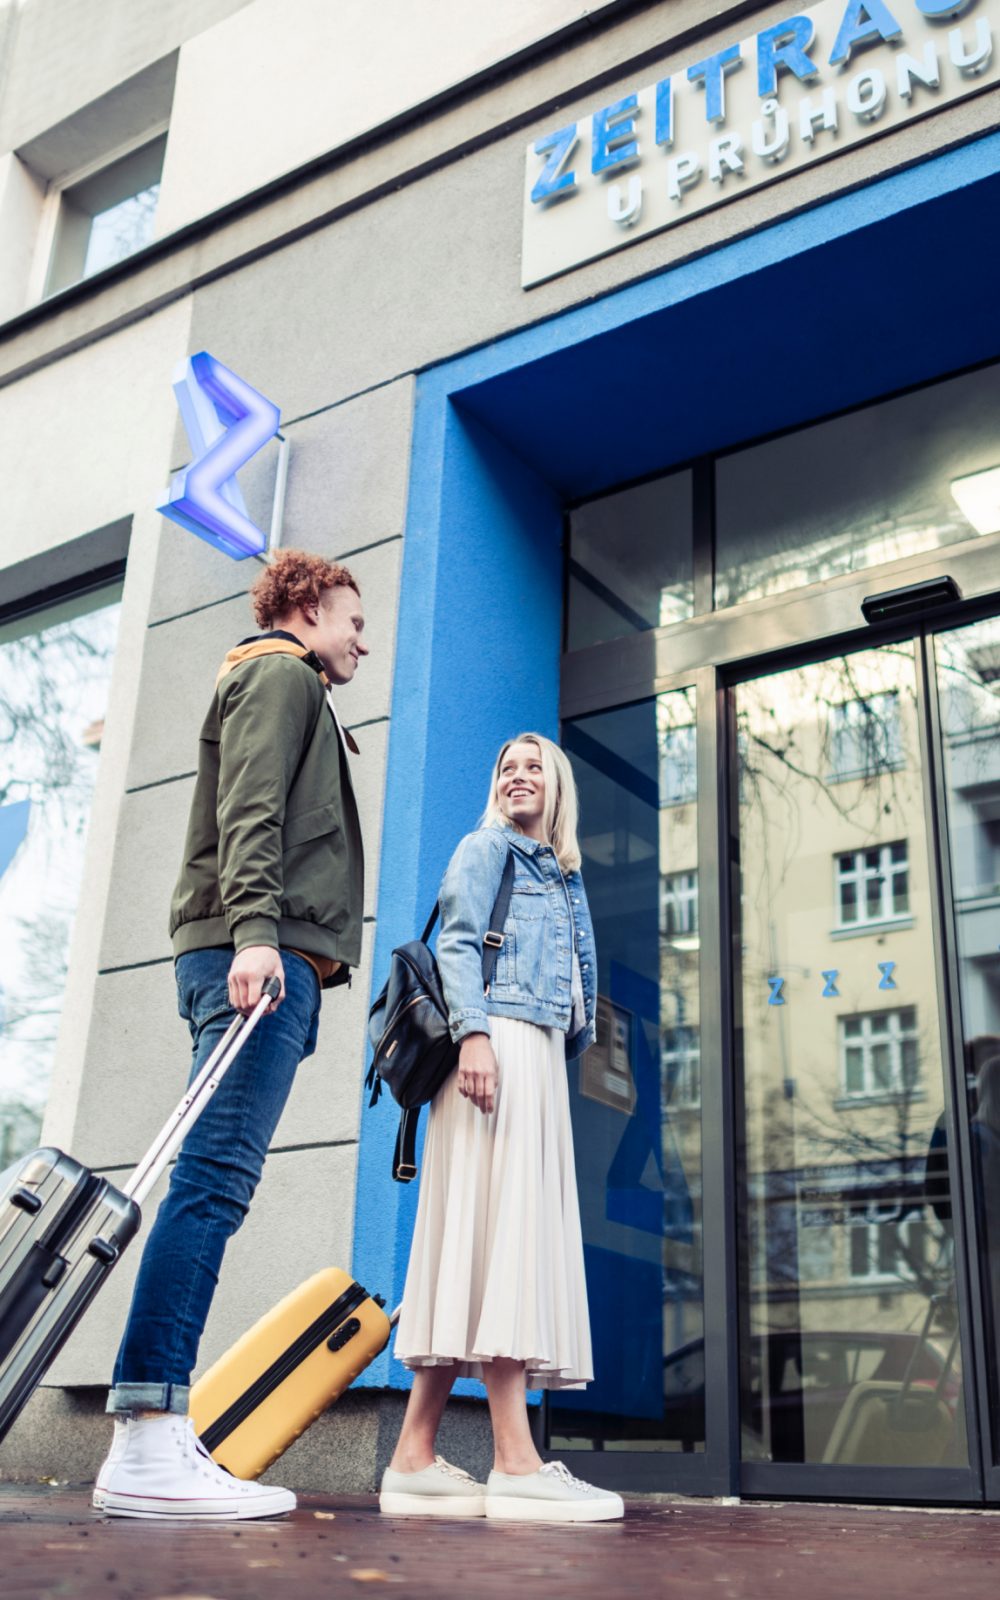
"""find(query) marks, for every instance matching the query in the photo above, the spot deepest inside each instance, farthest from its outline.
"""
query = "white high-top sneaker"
(118, 1444)
(159, 1468)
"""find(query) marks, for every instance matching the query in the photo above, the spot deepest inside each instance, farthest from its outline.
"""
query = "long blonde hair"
(562, 807)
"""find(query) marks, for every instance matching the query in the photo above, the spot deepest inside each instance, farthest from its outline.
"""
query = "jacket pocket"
(311, 824)
(315, 868)
(529, 901)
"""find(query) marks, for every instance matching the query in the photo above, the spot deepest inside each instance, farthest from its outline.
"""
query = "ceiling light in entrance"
(978, 498)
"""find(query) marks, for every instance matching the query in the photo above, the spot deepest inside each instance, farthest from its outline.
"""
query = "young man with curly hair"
(271, 885)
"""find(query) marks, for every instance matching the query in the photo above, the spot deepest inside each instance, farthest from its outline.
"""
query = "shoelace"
(196, 1453)
(453, 1472)
(559, 1469)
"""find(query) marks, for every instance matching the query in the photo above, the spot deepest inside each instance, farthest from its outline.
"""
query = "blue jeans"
(214, 1178)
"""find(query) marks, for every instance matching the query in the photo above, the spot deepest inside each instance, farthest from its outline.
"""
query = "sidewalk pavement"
(52, 1545)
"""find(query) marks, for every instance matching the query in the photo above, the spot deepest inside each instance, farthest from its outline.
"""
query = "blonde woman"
(495, 1287)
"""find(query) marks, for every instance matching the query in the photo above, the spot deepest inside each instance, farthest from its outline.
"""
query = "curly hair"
(293, 578)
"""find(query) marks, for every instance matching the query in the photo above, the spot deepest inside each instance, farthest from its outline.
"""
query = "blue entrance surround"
(889, 286)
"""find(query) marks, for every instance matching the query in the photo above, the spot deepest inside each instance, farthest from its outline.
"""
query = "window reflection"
(636, 1095)
(885, 482)
(848, 1324)
(968, 669)
(121, 230)
(54, 674)
(631, 561)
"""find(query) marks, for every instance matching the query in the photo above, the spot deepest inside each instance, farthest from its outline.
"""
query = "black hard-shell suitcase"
(63, 1228)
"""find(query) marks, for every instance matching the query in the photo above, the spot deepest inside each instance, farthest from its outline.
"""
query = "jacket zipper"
(286, 1364)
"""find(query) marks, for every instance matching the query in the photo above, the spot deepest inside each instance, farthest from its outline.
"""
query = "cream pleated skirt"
(496, 1264)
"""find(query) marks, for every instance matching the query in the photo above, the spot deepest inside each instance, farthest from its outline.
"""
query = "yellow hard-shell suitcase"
(264, 1392)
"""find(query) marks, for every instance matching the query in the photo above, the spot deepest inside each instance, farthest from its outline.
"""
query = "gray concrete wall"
(63, 1434)
(346, 499)
(62, 54)
(316, 80)
(420, 234)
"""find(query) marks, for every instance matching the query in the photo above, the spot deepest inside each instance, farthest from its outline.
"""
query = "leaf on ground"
(263, 1563)
(325, 1516)
(53, 1483)
(371, 1575)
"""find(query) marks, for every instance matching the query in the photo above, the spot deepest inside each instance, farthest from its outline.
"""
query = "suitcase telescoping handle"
(179, 1124)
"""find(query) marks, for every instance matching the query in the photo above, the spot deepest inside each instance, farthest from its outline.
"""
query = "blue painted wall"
(886, 287)
(477, 660)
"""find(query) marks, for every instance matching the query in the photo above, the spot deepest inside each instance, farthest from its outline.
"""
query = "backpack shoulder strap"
(493, 941)
(501, 906)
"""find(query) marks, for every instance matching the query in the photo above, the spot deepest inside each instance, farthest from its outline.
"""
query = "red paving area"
(52, 1546)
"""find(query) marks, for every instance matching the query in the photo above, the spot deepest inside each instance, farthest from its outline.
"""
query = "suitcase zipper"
(43, 1265)
(279, 1370)
(75, 1209)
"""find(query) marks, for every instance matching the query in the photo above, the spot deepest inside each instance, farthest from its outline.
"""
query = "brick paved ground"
(52, 1546)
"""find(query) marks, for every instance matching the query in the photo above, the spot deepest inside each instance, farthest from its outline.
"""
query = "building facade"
(641, 360)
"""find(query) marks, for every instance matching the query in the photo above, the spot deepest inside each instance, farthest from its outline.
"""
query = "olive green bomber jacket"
(273, 853)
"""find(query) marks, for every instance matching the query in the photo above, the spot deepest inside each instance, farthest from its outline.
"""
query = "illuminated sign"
(227, 422)
(798, 92)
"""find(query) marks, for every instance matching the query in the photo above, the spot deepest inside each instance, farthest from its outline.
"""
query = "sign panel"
(227, 422)
(713, 128)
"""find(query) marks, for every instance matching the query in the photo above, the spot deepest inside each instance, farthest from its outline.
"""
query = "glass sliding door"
(849, 1315)
(968, 680)
(636, 1096)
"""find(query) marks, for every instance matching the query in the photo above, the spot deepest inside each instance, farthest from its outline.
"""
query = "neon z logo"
(552, 180)
(227, 422)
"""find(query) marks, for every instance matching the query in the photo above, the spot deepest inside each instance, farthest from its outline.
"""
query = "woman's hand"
(477, 1071)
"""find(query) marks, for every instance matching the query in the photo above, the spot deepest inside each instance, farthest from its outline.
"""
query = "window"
(107, 216)
(865, 737)
(788, 514)
(679, 903)
(879, 1053)
(631, 561)
(681, 1058)
(678, 769)
(55, 669)
(873, 885)
(885, 1249)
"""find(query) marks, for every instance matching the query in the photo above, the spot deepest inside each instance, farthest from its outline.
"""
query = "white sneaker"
(159, 1468)
(551, 1494)
(118, 1444)
(437, 1491)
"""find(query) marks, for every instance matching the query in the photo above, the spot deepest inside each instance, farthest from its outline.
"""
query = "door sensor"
(911, 601)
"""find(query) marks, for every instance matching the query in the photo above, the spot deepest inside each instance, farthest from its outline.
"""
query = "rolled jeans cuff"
(125, 1399)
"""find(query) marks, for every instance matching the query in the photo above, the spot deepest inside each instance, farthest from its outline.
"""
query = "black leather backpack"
(408, 1025)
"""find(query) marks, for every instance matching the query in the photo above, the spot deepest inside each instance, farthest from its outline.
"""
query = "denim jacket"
(532, 979)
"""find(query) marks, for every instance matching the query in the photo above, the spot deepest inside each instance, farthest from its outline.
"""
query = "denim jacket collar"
(521, 840)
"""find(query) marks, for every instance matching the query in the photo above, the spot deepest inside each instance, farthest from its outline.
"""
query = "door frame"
(950, 987)
(713, 652)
